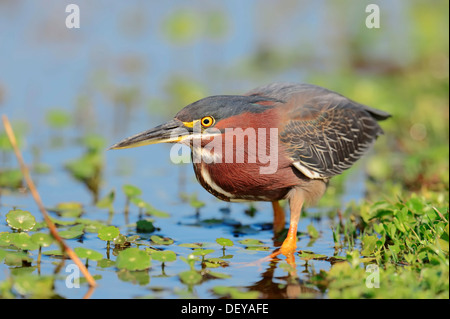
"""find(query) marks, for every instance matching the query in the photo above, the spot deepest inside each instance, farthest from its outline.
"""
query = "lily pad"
(152, 211)
(202, 252)
(34, 286)
(218, 275)
(87, 253)
(91, 226)
(120, 240)
(196, 203)
(224, 242)
(5, 239)
(17, 258)
(133, 259)
(62, 222)
(145, 226)
(55, 253)
(105, 263)
(20, 219)
(131, 191)
(158, 240)
(11, 178)
(307, 255)
(216, 262)
(250, 242)
(164, 256)
(42, 239)
(107, 201)
(108, 233)
(69, 209)
(190, 277)
(23, 241)
(73, 232)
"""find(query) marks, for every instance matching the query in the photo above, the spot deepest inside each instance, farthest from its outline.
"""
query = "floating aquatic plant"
(20, 219)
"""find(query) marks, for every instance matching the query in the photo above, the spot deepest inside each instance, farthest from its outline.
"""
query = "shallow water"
(45, 66)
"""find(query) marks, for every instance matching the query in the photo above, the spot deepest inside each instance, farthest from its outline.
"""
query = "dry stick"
(37, 199)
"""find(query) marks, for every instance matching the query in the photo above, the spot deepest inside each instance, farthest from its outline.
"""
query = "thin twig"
(37, 199)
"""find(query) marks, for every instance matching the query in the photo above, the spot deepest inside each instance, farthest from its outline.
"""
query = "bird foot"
(290, 258)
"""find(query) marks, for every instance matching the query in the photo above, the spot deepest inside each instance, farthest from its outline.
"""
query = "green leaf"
(164, 256)
(218, 261)
(307, 255)
(11, 178)
(58, 118)
(69, 209)
(42, 239)
(17, 258)
(443, 240)
(120, 240)
(161, 240)
(106, 263)
(133, 259)
(107, 201)
(196, 203)
(182, 26)
(86, 253)
(144, 226)
(202, 252)
(23, 241)
(94, 143)
(369, 245)
(190, 277)
(34, 286)
(190, 260)
(149, 209)
(235, 293)
(20, 219)
(312, 231)
(224, 242)
(73, 232)
(62, 222)
(250, 242)
(139, 202)
(55, 252)
(133, 238)
(131, 191)
(90, 226)
(108, 233)
(142, 278)
(219, 275)
(85, 168)
(5, 239)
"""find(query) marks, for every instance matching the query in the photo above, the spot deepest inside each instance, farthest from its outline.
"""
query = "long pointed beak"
(170, 132)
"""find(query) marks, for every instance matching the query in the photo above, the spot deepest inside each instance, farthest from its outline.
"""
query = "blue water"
(44, 66)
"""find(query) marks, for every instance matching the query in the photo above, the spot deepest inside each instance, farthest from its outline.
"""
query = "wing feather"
(325, 133)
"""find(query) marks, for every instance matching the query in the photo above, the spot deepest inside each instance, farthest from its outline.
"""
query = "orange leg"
(279, 219)
(296, 199)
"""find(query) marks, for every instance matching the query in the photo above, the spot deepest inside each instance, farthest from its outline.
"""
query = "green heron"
(317, 134)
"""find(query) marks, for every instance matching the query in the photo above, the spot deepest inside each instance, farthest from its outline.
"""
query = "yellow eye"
(207, 121)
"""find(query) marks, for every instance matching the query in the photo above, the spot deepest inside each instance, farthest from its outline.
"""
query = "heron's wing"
(323, 132)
